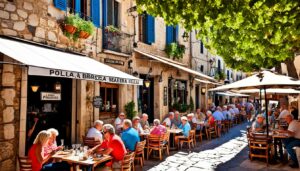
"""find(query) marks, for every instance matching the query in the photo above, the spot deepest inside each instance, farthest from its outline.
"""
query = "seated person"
(51, 145)
(37, 157)
(96, 131)
(218, 115)
(200, 115)
(144, 122)
(192, 121)
(258, 124)
(119, 122)
(294, 138)
(168, 121)
(113, 146)
(136, 125)
(283, 113)
(158, 129)
(210, 119)
(176, 121)
(129, 135)
(185, 126)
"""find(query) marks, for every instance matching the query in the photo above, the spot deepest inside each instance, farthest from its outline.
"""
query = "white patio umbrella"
(262, 80)
(233, 94)
(271, 91)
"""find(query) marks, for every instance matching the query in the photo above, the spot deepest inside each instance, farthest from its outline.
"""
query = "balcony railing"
(118, 42)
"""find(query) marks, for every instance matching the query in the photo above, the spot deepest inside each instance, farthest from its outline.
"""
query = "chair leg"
(168, 151)
(160, 155)
(189, 146)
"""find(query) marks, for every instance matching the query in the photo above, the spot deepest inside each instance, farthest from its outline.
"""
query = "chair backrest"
(90, 141)
(167, 136)
(260, 137)
(25, 163)
(192, 134)
(155, 140)
(139, 148)
(127, 161)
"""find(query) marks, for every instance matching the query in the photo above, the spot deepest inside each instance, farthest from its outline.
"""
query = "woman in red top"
(36, 150)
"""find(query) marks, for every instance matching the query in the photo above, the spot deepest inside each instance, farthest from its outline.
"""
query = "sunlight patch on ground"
(203, 160)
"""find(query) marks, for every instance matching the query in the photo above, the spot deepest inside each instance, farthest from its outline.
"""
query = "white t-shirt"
(167, 121)
(93, 132)
(294, 126)
(118, 123)
(283, 114)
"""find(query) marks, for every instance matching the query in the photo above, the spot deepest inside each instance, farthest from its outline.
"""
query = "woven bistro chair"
(24, 163)
(139, 152)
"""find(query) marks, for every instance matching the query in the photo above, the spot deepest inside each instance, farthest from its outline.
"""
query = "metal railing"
(117, 41)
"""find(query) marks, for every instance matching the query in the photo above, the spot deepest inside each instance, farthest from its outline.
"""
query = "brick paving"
(229, 152)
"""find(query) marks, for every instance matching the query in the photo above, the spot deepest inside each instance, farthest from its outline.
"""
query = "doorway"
(53, 110)
(146, 98)
(197, 97)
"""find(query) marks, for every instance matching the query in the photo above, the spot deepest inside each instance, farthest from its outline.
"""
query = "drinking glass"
(73, 146)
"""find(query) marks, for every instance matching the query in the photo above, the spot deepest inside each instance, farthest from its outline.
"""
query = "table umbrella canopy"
(233, 94)
(264, 79)
(271, 91)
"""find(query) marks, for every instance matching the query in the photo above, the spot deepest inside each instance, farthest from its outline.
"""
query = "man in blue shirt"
(185, 126)
(129, 136)
(218, 116)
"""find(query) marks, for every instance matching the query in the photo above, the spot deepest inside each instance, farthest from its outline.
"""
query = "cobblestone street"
(229, 152)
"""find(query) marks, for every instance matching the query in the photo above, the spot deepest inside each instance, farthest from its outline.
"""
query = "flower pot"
(70, 29)
(82, 34)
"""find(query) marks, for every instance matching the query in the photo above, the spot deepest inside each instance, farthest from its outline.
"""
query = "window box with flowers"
(75, 27)
(175, 50)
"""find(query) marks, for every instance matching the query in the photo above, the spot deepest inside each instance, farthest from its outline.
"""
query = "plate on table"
(63, 152)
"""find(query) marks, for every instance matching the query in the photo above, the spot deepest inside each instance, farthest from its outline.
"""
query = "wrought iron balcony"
(117, 41)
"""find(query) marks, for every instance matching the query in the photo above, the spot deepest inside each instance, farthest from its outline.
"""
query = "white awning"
(174, 65)
(43, 61)
(229, 93)
(207, 82)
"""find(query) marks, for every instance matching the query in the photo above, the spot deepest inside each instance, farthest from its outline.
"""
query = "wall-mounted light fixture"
(135, 74)
(57, 86)
(203, 90)
(185, 36)
(147, 81)
(34, 88)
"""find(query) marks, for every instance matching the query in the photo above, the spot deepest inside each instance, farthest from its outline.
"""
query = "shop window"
(177, 92)
(201, 47)
(201, 68)
(110, 13)
(109, 95)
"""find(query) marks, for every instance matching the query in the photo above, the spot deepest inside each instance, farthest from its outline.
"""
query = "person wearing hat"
(258, 124)
(137, 125)
(294, 138)
(119, 122)
(185, 126)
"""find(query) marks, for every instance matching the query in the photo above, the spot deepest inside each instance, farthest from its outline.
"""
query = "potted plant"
(85, 28)
(113, 30)
(175, 50)
(129, 109)
(71, 23)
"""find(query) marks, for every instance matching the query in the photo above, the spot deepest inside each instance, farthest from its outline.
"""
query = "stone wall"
(10, 82)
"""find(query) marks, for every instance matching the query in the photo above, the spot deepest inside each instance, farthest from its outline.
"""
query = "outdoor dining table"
(174, 132)
(75, 160)
(277, 139)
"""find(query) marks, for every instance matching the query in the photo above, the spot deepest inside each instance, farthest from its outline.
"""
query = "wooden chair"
(189, 140)
(24, 163)
(139, 152)
(166, 142)
(127, 162)
(155, 143)
(210, 130)
(260, 146)
(90, 141)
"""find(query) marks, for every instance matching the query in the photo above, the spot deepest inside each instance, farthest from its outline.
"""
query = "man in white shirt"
(96, 131)
(168, 121)
(119, 122)
(294, 138)
(284, 112)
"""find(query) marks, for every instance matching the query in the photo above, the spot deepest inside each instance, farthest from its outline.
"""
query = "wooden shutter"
(169, 34)
(104, 17)
(77, 7)
(150, 29)
(95, 12)
(61, 4)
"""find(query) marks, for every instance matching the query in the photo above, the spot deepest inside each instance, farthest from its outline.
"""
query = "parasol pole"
(260, 103)
(267, 117)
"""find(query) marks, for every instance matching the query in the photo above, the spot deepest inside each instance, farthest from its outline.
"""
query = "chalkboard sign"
(97, 102)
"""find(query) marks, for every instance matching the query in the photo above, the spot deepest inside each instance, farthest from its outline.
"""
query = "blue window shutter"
(77, 7)
(169, 34)
(61, 4)
(150, 29)
(104, 17)
(176, 33)
(95, 12)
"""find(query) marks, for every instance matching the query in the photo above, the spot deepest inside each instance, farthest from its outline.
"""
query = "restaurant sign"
(80, 75)
(113, 61)
(50, 96)
(97, 101)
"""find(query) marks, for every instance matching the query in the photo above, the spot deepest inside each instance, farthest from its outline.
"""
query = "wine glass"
(62, 143)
